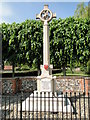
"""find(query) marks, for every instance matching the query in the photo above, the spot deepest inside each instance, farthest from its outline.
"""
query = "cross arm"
(37, 16)
(54, 15)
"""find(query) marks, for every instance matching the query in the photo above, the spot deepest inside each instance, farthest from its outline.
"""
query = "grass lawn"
(72, 74)
(75, 73)
(26, 69)
(68, 73)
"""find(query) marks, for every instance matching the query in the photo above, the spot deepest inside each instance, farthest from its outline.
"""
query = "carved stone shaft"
(46, 54)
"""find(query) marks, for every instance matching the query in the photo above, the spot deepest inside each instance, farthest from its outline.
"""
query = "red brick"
(14, 86)
(7, 67)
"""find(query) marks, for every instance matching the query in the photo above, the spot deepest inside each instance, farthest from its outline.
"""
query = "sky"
(20, 11)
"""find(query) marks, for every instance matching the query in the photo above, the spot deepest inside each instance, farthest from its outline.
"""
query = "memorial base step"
(46, 102)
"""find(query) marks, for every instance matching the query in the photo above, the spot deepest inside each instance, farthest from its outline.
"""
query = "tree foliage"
(81, 11)
(69, 42)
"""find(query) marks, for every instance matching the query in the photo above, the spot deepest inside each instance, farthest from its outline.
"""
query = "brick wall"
(14, 85)
(74, 84)
(27, 84)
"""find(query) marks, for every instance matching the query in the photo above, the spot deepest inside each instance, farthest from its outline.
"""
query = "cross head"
(46, 15)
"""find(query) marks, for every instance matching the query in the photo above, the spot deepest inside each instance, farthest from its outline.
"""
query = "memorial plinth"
(46, 102)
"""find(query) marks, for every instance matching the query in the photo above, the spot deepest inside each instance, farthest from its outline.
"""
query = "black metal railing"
(46, 105)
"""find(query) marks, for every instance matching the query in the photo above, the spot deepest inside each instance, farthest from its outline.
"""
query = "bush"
(88, 67)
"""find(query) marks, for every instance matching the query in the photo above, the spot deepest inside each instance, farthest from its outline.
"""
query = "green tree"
(10, 44)
(81, 11)
(14, 45)
(69, 42)
(5, 41)
(31, 45)
(62, 43)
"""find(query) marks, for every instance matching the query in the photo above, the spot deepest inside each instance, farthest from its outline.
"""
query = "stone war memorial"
(45, 97)
(46, 82)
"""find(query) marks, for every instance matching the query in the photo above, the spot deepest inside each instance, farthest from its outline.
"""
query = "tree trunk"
(64, 70)
(38, 69)
(71, 70)
(2, 65)
(13, 70)
(38, 72)
(71, 67)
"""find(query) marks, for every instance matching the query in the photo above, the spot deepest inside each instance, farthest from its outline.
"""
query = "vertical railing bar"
(62, 105)
(15, 97)
(66, 105)
(1, 107)
(71, 104)
(35, 98)
(80, 105)
(57, 107)
(37, 104)
(49, 105)
(89, 106)
(5, 107)
(9, 107)
(53, 105)
(44, 105)
(75, 106)
(84, 107)
(17, 106)
(33, 105)
(13, 107)
(25, 105)
(3, 115)
(40, 105)
(33, 102)
(29, 107)
(21, 107)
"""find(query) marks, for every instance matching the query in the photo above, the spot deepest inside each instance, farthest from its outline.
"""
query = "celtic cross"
(46, 15)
